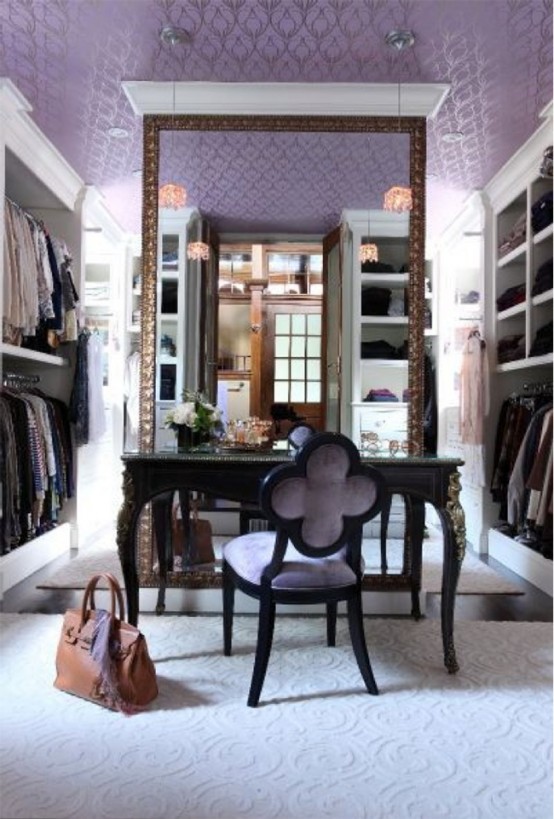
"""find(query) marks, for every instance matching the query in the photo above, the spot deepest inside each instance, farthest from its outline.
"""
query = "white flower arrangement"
(197, 413)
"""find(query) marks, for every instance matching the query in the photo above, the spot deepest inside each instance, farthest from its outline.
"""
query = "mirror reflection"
(257, 324)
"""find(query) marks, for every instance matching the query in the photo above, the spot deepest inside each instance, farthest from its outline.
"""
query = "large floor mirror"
(378, 146)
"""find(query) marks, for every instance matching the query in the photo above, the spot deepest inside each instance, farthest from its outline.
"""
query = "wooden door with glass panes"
(292, 364)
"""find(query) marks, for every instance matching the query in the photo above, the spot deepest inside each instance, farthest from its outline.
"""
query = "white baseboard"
(32, 556)
(522, 560)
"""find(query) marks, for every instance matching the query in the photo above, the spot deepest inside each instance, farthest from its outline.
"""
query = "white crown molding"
(389, 223)
(285, 98)
(96, 215)
(471, 211)
(27, 142)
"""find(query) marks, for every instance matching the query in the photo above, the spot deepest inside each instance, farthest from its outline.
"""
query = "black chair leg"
(356, 626)
(331, 624)
(266, 625)
(228, 610)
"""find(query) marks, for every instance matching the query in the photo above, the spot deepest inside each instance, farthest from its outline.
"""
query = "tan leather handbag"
(102, 658)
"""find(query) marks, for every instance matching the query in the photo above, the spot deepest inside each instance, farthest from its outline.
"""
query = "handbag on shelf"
(198, 549)
(102, 658)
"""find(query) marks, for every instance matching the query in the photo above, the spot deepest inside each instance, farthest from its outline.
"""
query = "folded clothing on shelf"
(511, 348)
(542, 343)
(471, 297)
(381, 395)
(515, 236)
(511, 296)
(543, 279)
(377, 267)
(398, 304)
(541, 212)
(378, 349)
(375, 301)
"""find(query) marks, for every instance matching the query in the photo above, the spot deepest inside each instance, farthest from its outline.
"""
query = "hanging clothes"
(95, 397)
(37, 463)
(515, 419)
(474, 406)
(430, 411)
(39, 308)
(78, 404)
(131, 393)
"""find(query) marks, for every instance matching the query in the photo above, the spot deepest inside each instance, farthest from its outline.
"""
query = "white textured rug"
(475, 578)
(476, 744)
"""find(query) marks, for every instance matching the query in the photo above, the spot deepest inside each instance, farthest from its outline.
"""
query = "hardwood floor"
(533, 604)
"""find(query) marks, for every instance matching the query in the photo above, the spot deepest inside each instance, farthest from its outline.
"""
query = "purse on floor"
(102, 658)
(199, 548)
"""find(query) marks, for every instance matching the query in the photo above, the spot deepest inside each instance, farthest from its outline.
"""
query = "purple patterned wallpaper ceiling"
(69, 57)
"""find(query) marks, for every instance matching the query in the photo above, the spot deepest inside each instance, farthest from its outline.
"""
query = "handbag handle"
(115, 594)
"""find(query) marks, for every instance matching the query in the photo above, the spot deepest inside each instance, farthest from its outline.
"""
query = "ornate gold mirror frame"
(154, 124)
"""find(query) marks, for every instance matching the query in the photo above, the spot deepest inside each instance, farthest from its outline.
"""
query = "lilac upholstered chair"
(299, 433)
(318, 506)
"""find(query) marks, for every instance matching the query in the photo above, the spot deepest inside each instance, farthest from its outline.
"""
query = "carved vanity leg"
(453, 524)
(125, 538)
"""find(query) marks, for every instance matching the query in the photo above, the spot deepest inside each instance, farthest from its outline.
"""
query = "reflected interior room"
(229, 227)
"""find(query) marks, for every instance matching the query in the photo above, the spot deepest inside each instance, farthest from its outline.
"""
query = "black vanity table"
(236, 476)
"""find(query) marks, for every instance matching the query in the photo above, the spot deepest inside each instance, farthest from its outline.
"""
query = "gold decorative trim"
(415, 127)
(456, 514)
(125, 513)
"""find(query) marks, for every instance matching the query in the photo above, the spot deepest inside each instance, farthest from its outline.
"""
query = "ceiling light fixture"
(117, 132)
(400, 39)
(198, 251)
(369, 252)
(453, 136)
(398, 199)
(173, 35)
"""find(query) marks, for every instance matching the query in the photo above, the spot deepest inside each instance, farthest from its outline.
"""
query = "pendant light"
(172, 195)
(368, 251)
(398, 198)
(198, 250)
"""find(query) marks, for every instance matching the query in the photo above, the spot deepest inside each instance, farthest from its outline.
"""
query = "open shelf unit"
(519, 317)
(37, 178)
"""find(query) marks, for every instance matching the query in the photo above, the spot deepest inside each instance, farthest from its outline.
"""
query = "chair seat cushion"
(248, 555)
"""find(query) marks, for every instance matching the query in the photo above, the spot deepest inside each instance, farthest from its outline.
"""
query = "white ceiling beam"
(283, 98)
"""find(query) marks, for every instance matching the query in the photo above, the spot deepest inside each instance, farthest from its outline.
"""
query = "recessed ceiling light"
(453, 136)
(173, 35)
(400, 39)
(118, 133)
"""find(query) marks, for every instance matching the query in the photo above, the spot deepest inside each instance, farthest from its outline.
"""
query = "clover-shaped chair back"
(299, 433)
(324, 498)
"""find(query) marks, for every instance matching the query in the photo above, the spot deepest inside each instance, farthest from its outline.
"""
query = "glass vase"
(189, 440)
